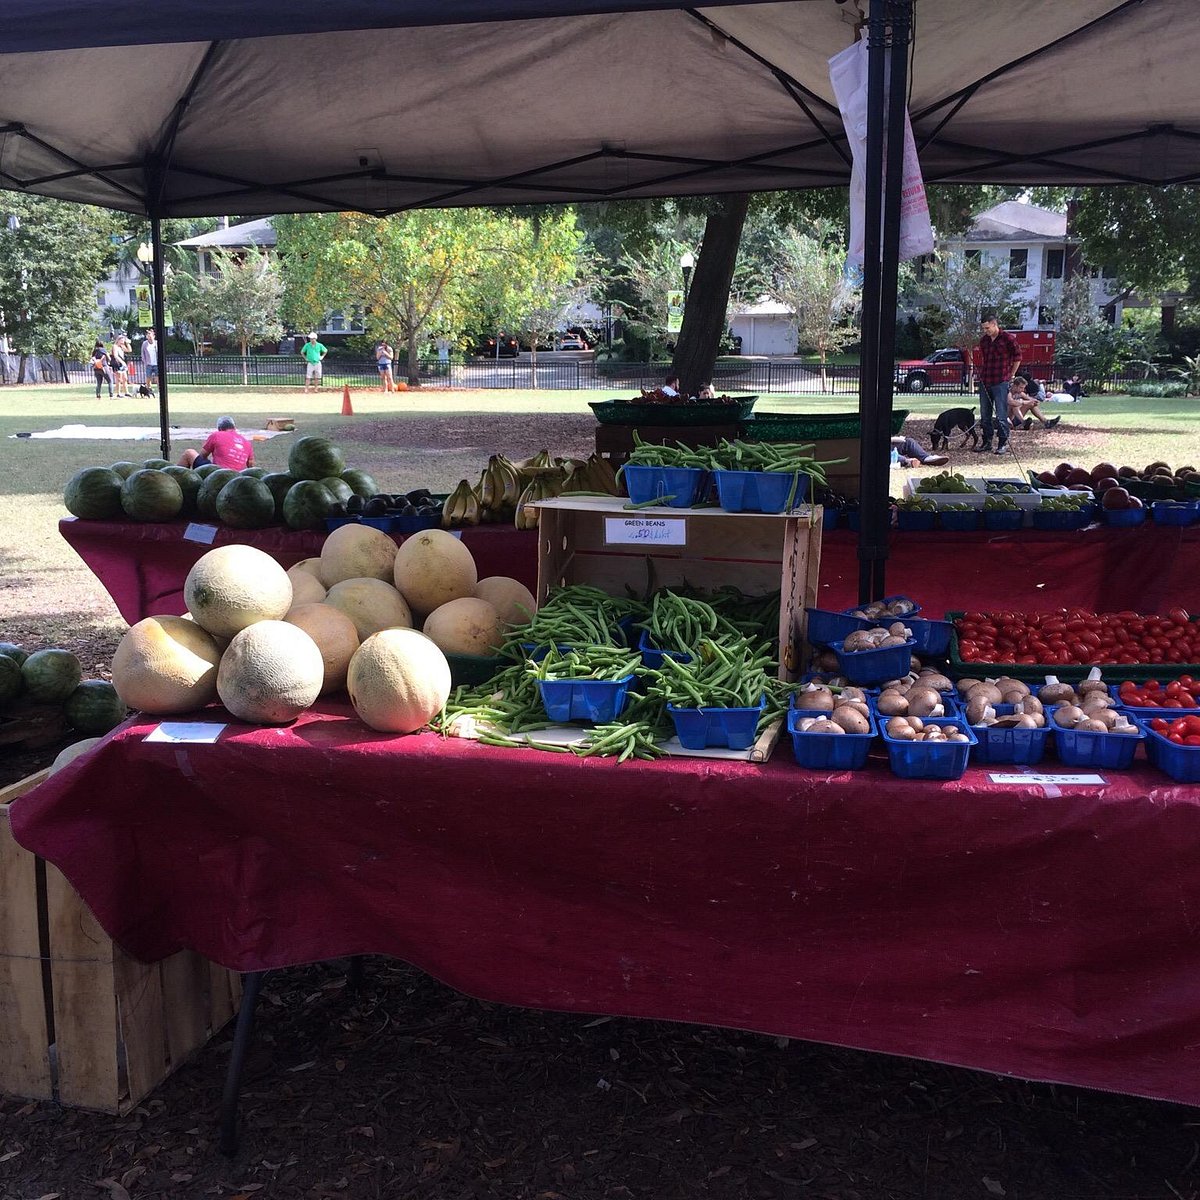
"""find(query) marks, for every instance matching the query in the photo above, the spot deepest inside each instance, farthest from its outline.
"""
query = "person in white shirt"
(670, 386)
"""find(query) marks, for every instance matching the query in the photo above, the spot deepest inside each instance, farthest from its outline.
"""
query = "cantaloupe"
(371, 604)
(466, 626)
(68, 755)
(509, 597)
(398, 681)
(336, 638)
(232, 587)
(306, 589)
(271, 673)
(311, 565)
(357, 552)
(432, 568)
(166, 665)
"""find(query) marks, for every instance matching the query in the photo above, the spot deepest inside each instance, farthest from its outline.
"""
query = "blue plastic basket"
(960, 522)
(1182, 763)
(1165, 512)
(652, 656)
(698, 728)
(1124, 516)
(914, 611)
(760, 491)
(597, 700)
(1149, 713)
(1003, 519)
(853, 519)
(929, 637)
(1082, 748)
(1025, 746)
(684, 484)
(1058, 519)
(414, 524)
(829, 518)
(830, 751)
(874, 666)
(386, 524)
(826, 627)
(915, 520)
(332, 523)
(930, 760)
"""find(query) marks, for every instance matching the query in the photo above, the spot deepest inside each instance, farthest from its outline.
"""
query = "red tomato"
(1159, 725)
(1191, 740)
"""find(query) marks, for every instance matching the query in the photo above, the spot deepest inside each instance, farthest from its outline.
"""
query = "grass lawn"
(411, 439)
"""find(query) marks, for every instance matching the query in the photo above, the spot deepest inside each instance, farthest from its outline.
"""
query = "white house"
(766, 328)
(1033, 243)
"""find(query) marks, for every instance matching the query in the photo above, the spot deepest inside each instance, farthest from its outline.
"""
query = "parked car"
(571, 341)
(486, 345)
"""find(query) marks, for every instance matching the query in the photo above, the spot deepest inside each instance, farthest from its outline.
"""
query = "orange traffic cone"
(347, 407)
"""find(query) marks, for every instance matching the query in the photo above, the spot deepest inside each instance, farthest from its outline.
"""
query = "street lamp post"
(687, 260)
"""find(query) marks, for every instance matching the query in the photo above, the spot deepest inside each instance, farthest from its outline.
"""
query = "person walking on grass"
(1000, 356)
(150, 359)
(102, 368)
(314, 354)
(119, 357)
(384, 356)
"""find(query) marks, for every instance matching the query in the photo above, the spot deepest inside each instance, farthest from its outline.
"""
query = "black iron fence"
(551, 372)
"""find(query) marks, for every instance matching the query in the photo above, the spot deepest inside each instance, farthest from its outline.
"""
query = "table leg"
(356, 975)
(243, 1034)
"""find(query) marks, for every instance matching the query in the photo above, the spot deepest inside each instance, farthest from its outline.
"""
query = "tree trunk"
(21, 368)
(708, 299)
(533, 343)
(245, 362)
(414, 359)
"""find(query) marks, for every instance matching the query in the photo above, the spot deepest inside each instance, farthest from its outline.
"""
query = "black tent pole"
(160, 332)
(889, 25)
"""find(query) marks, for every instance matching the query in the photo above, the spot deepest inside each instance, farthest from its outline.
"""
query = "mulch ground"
(411, 1090)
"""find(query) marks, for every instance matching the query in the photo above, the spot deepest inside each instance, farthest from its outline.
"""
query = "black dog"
(144, 389)
(951, 420)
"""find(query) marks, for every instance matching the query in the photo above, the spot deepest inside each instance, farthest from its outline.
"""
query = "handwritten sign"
(185, 731)
(204, 534)
(645, 531)
(1034, 777)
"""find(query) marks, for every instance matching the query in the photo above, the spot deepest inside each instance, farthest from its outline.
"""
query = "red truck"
(945, 368)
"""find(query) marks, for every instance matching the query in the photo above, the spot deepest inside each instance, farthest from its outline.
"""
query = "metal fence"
(755, 376)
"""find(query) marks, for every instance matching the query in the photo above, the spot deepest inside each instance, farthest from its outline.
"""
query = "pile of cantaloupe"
(268, 642)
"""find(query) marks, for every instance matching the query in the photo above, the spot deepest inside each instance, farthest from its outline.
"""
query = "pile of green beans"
(678, 622)
(585, 662)
(507, 703)
(646, 454)
(581, 621)
(729, 675)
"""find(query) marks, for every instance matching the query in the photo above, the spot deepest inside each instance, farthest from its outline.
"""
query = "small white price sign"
(1056, 780)
(642, 531)
(200, 533)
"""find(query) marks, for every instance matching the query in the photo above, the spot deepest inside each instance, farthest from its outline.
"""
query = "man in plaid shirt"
(1000, 356)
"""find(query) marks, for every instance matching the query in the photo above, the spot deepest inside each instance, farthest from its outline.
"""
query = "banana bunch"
(462, 507)
(544, 486)
(541, 461)
(596, 475)
(499, 488)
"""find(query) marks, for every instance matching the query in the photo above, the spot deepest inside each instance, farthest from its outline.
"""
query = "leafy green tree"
(245, 294)
(413, 274)
(52, 255)
(808, 277)
(191, 306)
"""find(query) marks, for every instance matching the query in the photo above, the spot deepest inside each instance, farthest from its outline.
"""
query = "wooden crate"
(755, 552)
(81, 1022)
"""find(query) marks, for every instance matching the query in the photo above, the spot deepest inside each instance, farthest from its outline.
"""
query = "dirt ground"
(413, 1091)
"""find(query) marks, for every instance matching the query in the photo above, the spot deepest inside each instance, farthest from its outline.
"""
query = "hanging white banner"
(848, 74)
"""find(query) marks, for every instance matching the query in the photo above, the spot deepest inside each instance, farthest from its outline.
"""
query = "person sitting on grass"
(1023, 408)
(707, 392)
(913, 454)
(225, 447)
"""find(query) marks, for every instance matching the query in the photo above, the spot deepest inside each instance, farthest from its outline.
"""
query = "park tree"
(808, 276)
(245, 294)
(963, 289)
(413, 274)
(52, 255)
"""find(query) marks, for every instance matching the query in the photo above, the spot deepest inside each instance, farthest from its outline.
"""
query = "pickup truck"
(947, 368)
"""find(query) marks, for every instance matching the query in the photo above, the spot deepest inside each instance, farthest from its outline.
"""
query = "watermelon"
(94, 707)
(361, 484)
(307, 504)
(254, 472)
(246, 503)
(94, 494)
(13, 651)
(278, 483)
(11, 679)
(155, 464)
(124, 469)
(207, 469)
(210, 489)
(315, 458)
(51, 675)
(151, 496)
(189, 483)
(339, 489)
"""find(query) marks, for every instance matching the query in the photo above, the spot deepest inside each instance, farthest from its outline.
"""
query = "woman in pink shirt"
(226, 447)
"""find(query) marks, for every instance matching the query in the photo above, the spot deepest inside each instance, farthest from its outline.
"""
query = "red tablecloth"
(1148, 569)
(143, 567)
(1049, 933)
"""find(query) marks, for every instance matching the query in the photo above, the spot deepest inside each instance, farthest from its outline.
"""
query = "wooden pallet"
(81, 1022)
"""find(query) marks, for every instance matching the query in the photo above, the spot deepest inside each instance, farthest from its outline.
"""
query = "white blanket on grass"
(141, 433)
